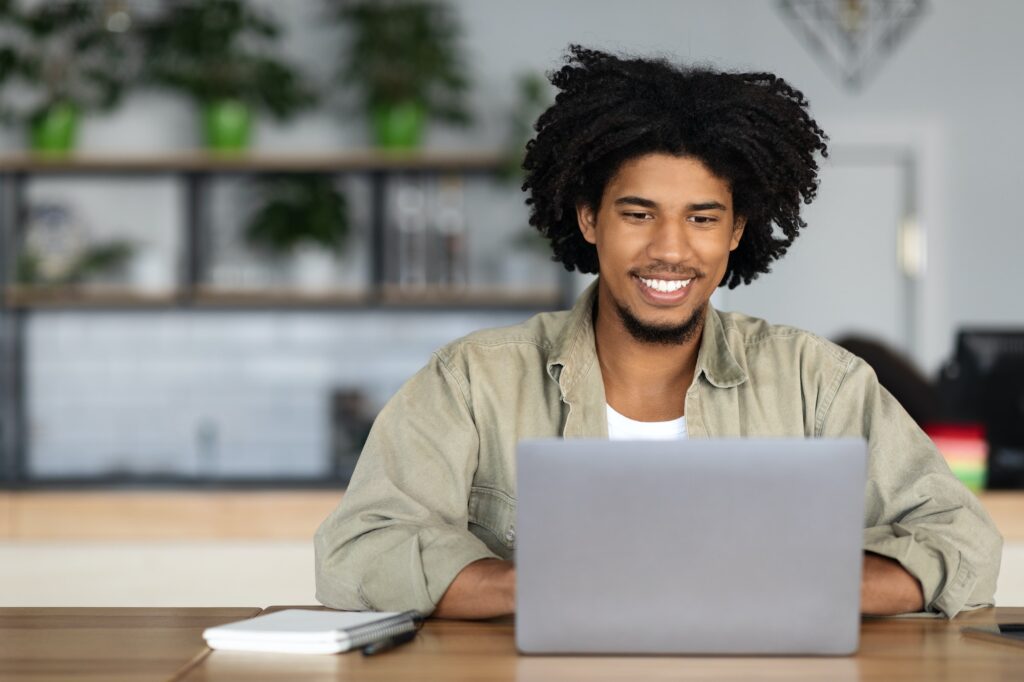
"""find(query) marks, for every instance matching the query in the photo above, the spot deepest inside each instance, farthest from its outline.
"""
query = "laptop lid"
(732, 546)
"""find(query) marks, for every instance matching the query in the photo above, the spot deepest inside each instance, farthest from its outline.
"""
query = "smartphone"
(1004, 633)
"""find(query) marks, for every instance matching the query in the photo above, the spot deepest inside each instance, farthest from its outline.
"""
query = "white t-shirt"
(623, 428)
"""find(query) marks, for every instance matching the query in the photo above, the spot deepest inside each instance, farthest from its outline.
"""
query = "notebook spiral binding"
(374, 632)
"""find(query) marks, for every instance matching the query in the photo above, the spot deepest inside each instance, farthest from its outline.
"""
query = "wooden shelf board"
(1007, 509)
(258, 515)
(206, 296)
(259, 162)
(214, 296)
(6, 515)
(44, 297)
(391, 293)
(166, 515)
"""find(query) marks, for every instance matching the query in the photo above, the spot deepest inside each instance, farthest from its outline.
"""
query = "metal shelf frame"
(196, 170)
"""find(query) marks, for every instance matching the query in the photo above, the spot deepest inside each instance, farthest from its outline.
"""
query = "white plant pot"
(313, 269)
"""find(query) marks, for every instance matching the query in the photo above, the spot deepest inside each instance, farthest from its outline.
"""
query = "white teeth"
(665, 285)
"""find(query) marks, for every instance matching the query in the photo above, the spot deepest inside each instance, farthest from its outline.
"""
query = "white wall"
(193, 393)
(953, 92)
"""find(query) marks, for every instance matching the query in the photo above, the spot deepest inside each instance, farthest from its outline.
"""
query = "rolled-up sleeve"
(400, 535)
(916, 511)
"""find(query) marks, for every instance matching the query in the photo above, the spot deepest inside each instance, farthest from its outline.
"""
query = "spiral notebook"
(303, 631)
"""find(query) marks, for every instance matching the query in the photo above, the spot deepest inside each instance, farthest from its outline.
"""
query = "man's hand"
(483, 589)
(886, 588)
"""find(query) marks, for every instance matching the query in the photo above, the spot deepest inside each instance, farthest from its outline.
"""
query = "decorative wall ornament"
(852, 37)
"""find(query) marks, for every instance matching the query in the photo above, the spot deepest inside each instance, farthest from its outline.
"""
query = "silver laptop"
(749, 546)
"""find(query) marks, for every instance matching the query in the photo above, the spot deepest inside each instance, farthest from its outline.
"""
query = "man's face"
(663, 234)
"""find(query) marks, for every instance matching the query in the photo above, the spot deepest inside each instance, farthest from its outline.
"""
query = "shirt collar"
(575, 350)
(715, 359)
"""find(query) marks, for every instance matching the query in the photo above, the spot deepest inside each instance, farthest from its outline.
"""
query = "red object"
(968, 431)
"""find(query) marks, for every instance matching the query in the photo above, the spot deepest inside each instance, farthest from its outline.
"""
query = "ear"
(587, 221)
(738, 225)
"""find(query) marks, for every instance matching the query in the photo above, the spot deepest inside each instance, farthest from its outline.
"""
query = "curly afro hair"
(752, 130)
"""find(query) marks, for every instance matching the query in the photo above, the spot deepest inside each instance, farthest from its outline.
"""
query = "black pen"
(383, 645)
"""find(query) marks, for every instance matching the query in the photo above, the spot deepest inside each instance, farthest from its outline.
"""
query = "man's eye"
(637, 215)
(703, 219)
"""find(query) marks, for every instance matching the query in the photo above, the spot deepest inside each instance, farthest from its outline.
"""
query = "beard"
(664, 334)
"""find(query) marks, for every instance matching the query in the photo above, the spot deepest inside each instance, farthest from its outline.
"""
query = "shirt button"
(510, 534)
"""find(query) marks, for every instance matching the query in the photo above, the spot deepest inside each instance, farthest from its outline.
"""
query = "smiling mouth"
(665, 286)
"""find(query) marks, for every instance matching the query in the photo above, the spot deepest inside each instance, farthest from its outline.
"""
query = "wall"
(952, 88)
(198, 393)
(951, 93)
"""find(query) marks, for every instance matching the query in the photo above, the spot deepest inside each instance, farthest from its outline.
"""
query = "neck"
(643, 381)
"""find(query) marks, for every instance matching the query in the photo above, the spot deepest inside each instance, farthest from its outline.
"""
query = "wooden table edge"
(197, 660)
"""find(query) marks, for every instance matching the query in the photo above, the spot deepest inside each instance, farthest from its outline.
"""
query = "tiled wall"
(233, 394)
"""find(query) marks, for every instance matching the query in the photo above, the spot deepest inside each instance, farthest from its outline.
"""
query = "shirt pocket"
(492, 518)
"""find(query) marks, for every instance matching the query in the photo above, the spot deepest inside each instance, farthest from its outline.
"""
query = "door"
(846, 272)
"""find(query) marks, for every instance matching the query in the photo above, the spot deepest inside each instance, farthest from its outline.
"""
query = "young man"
(668, 182)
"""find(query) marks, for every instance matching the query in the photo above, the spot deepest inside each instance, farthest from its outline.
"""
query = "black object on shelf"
(984, 383)
(351, 420)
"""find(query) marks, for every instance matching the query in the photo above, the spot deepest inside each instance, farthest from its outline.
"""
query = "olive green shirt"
(434, 489)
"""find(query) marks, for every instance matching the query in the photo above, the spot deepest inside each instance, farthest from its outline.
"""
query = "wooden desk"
(891, 649)
(105, 645)
(166, 644)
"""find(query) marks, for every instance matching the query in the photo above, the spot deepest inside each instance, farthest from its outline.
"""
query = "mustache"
(653, 271)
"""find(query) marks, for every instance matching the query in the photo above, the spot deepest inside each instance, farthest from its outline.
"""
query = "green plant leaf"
(296, 210)
(218, 49)
(27, 269)
(60, 52)
(99, 259)
(402, 51)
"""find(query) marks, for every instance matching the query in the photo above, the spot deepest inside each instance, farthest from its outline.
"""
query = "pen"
(388, 644)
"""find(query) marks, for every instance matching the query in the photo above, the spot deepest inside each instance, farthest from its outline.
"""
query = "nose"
(670, 242)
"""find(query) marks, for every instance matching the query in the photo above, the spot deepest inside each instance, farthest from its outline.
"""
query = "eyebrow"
(648, 203)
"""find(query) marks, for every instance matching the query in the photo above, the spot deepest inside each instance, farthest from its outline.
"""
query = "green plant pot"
(227, 125)
(399, 126)
(54, 130)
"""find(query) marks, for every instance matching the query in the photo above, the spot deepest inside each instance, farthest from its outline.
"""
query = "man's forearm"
(486, 588)
(483, 589)
(887, 588)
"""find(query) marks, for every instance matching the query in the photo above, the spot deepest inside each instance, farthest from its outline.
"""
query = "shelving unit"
(26, 298)
(191, 292)
(196, 169)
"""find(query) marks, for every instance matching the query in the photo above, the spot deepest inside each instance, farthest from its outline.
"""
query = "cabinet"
(29, 315)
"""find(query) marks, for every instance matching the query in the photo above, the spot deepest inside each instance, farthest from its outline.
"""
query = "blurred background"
(231, 229)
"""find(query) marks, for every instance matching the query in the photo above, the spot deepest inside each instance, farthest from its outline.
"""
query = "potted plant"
(59, 60)
(403, 60)
(301, 215)
(58, 251)
(221, 53)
